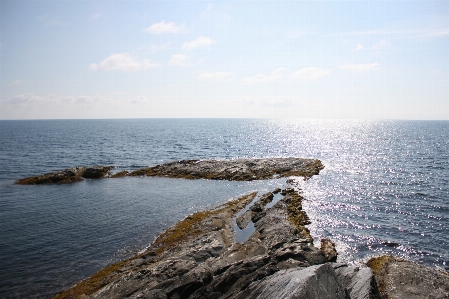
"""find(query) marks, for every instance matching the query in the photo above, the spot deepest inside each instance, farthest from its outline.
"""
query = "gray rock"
(244, 219)
(359, 282)
(401, 279)
(234, 170)
(315, 282)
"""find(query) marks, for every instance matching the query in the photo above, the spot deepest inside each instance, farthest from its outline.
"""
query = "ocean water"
(384, 189)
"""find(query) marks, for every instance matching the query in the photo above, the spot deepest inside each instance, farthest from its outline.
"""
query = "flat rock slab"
(235, 170)
(231, 170)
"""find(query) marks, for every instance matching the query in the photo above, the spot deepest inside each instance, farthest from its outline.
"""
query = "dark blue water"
(384, 189)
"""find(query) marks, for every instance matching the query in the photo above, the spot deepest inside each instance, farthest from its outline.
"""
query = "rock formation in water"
(199, 258)
(69, 175)
(232, 170)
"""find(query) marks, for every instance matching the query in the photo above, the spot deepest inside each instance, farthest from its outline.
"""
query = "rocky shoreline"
(202, 256)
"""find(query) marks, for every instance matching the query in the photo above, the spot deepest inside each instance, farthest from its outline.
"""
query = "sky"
(224, 59)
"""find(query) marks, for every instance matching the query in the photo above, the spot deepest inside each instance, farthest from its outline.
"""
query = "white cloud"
(275, 75)
(178, 59)
(311, 73)
(164, 27)
(279, 71)
(21, 99)
(360, 67)
(200, 41)
(215, 76)
(122, 61)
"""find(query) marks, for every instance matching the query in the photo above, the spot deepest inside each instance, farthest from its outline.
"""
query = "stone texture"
(358, 281)
(234, 170)
(401, 279)
(315, 282)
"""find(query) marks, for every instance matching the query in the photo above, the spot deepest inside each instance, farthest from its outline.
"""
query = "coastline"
(292, 258)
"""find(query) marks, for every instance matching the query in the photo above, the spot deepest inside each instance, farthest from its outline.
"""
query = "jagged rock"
(401, 279)
(244, 219)
(315, 282)
(328, 247)
(359, 282)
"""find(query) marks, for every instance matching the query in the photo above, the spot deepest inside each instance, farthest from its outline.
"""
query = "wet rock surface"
(401, 279)
(199, 258)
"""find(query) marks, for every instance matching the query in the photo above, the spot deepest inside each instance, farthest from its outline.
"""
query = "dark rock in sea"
(96, 172)
(69, 175)
(401, 279)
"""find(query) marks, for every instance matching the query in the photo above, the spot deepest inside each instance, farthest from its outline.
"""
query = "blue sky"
(296, 59)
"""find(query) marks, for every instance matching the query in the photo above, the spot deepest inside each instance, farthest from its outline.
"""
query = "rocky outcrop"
(234, 170)
(401, 279)
(69, 175)
(199, 258)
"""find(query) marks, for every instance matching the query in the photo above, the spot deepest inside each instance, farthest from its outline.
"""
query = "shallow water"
(384, 189)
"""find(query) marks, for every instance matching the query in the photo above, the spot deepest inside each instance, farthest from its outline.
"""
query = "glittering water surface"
(384, 189)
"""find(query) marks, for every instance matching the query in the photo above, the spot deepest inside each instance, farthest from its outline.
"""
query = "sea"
(384, 189)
